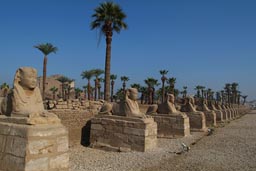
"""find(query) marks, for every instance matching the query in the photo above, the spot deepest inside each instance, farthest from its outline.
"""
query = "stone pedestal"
(210, 118)
(42, 147)
(219, 115)
(120, 133)
(172, 125)
(197, 121)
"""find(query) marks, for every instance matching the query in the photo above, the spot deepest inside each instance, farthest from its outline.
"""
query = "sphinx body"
(129, 107)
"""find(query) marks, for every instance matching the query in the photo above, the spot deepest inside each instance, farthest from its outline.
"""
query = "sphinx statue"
(128, 107)
(219, 113)
(168, 107)
(209, 114)
(25, 100)
(197, 119)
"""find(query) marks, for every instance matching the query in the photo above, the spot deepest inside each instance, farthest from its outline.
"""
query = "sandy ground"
(229, 148)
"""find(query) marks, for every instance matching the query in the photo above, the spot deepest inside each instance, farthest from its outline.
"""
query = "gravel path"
(232, 147)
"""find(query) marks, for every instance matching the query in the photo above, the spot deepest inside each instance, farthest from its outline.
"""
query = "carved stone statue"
(168, 107)
(25, 99)
(129, 107)
(189, 105)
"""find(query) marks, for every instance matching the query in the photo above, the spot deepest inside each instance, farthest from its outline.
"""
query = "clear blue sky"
(200, 42)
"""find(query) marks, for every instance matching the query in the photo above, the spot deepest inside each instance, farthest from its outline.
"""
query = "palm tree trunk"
(89, 90)
(96, 87)
(99, 92)
(163, 93)
(107, 67)
(44, 76)
(112, 90)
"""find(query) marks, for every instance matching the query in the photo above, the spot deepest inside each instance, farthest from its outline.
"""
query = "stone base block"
(172, 126)
(33, 147)
(197, 121)
(120, 133)
(210, 118)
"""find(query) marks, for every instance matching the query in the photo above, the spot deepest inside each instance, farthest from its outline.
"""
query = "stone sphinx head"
(132, 93)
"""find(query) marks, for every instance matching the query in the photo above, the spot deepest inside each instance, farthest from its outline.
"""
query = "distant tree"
(171, 82)
(234, 92)
(88, 75)
(108, 17)
(135, 85)
(46, 49)
(184, 92)
(244, 99)
(64, 82)
(143, 91)
(124, 79)
(151, 83)
(5, 89)
(112, 78)
(163, 78)
(54, 90)
(99, 87)
(97, 73)
(227, 89)
(78, 91)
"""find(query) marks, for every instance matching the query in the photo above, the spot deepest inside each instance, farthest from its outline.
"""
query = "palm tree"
(143, 91)
(151, 83)
(85, 88)
(97, 73)
(135, 85)
(184, 92)
(171, 82)
(228, 89)
(46, 49)
(163, 78)
(108, 17)
(234, 92)
(88, 75)
(5, 89)
(124, 79)
(53, 90)
(64, 80)
(198, 88)
(244, 97)
(99, 87)
(77, 92)
(112, 78)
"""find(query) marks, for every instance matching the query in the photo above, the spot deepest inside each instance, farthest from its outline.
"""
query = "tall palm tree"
(96, 73)
(88, 75)
(5, 89)
(171, 82)
(85, 88)
(108, 17)
(46, 49)
(124, 79)
(64, 81)
(112, 78)
(163, 78)
(54, 90)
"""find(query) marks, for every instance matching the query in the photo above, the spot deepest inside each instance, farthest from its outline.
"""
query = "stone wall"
(120, 133)
(172, 126)
(33, 147)
(75, 121)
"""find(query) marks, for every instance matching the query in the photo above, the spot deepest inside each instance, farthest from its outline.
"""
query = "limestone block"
(62, 144)
(59, 162)
(172, 126)
(41, 146)
(36, 164)
(118, 132)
